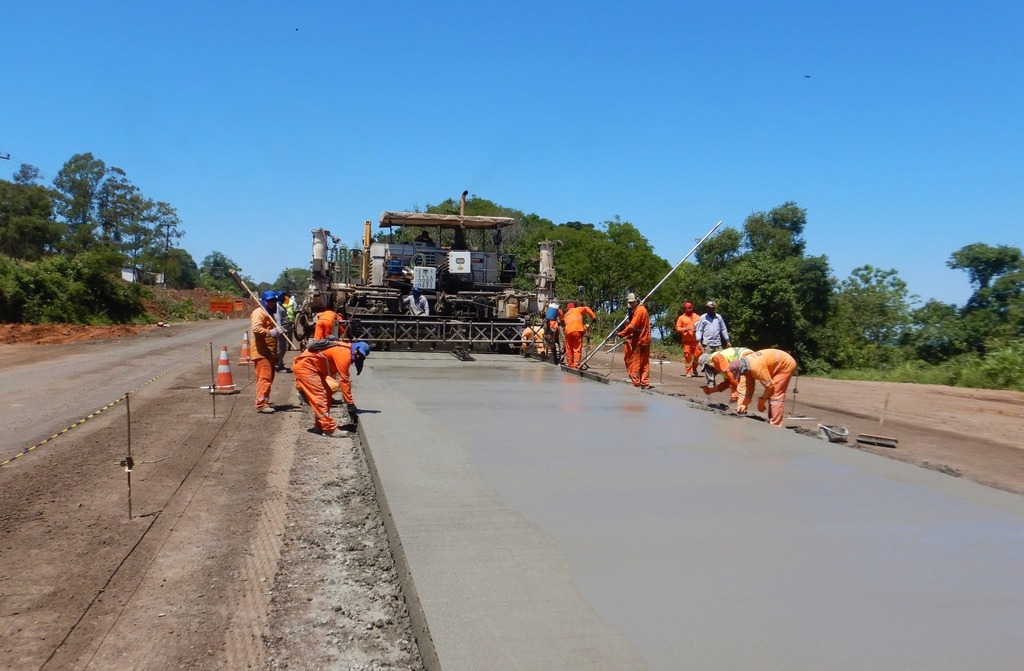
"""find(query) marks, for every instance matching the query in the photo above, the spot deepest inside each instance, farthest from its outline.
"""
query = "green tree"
(872, 317)
(180, 269)
(77, 199)
(214, 273)
(293, 279)
(27, 226)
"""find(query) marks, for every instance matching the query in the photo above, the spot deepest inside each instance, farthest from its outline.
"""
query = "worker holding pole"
(637, 348)
(264, 357)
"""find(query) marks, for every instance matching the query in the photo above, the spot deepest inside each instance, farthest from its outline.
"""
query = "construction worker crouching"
(719, 362)
(533, 338)
(321, 369)
(773, 368)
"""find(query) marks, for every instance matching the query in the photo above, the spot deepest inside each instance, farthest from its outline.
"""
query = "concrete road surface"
(550, 522)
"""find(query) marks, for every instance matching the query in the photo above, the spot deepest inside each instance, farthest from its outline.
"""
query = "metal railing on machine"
(410, 331)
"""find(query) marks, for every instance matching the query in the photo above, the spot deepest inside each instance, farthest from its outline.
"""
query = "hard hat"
(739, 366)
(570, 305)
(269, 295)
(631, 298)
(360, 351)
(711, 304)
(416, 292)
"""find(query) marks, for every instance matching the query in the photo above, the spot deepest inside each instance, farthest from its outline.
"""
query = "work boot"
(265, 410)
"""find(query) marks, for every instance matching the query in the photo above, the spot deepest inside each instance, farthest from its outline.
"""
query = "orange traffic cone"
(244, 359)
(225, 383)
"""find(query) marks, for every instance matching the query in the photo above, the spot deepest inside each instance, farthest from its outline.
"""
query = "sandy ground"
(255, 544)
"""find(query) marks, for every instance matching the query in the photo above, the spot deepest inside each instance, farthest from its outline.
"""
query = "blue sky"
(259, 121)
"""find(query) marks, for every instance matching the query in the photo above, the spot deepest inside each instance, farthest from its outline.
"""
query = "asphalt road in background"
(48, 388)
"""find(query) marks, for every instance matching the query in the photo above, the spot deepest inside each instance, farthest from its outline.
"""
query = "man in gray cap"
(713, 336)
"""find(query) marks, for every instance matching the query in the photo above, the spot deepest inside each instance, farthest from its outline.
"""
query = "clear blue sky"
(259, 121)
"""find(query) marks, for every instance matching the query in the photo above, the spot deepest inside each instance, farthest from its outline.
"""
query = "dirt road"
(251, 543)
(254, 544)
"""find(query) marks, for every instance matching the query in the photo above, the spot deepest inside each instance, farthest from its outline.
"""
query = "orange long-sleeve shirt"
(573, 319)
(264, 345)
(765, 364)
(685, 325)
(638, 330)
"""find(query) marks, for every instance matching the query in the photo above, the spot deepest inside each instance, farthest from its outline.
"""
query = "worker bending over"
(328, 323)
(574, 330)
(773, 368)
(719, 361)
(324, 366)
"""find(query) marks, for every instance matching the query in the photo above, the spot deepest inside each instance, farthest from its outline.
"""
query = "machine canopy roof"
(390, 219)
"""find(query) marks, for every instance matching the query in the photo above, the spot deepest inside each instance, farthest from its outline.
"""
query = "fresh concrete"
(550, 522)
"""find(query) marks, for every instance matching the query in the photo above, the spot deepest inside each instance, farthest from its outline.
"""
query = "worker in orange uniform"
(316, 370)
(574, 330)
(325, 325)
(533, 339)
(719, 361)
(773, 368)
(264, 349)
(637, 349)
(685, 325)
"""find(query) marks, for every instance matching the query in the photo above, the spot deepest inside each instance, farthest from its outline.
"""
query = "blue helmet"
(268, 295)
(360, 351)
(416, 292)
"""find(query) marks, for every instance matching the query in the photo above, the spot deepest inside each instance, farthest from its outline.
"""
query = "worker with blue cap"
(416, 303)
(324, 369)
(264, 349)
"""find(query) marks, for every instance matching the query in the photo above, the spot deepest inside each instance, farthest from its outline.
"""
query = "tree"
(292, 279)
(27, 226)
(872, 316)
(984, 263)
(214, 273)
(77, 187)
(180, 269)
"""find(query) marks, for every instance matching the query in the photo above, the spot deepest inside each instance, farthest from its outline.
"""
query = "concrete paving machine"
(469, 290)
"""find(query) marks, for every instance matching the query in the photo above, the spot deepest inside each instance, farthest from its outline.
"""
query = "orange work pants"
(691, 354)
(573, 349)
(777, 402)
(311, 383)
(264, 369)
(638, 363)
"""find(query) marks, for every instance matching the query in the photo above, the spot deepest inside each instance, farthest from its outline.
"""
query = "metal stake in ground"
(128, 462)
(656, 287)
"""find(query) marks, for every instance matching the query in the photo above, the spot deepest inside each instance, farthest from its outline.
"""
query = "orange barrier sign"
(222, 305)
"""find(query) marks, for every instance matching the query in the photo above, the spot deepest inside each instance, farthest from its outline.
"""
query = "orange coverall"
(264, 355)
(720, 361)
(691, 348)
(314, 377)
(574, 330)
(773, 368)
(533, 339)
(637, 350)
(325, 325)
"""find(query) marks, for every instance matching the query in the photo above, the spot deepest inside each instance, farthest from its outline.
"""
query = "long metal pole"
(245, 287)
(656, 287)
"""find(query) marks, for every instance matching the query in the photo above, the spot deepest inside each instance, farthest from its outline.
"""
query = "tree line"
(62, 246)
(774, 294)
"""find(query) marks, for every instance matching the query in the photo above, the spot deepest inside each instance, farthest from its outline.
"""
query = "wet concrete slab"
(547, 521)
